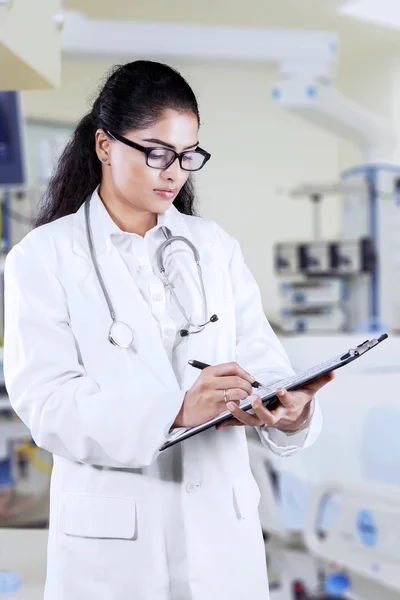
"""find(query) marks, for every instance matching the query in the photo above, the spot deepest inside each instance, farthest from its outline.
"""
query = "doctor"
(104, 308)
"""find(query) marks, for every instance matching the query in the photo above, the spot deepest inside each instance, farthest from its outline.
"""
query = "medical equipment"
(365, 259)
(12, 160)
(310, 319)
(313, 304)
(372, 209)
(120, 333)
(360, 538)
(325, 258)
(311, 292)
(12, 155)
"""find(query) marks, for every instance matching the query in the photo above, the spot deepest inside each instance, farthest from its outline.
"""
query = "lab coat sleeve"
(66, 411)
(259, 351)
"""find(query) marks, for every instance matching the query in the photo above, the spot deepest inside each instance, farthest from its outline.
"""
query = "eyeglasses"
(162, 158)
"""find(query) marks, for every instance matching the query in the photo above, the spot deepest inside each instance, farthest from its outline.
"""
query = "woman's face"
(126, 174)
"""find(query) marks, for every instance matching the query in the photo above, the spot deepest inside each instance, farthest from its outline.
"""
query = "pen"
(200, 365)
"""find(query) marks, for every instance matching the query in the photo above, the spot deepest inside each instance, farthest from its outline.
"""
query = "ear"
(103, 143)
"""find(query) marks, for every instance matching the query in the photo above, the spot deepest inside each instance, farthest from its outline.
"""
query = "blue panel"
(311, 91)
(373, 232)
(366, 528)
(6, 476)
(362, 169)
(5, 230)
(276, 93)
(12, 171)
(299, 297)
(334, 47)
(337, 584)
(300, 326)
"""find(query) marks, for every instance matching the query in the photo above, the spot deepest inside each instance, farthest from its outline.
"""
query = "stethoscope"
(120, 333)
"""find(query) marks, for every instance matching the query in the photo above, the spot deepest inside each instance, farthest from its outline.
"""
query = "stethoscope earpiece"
(186, 332)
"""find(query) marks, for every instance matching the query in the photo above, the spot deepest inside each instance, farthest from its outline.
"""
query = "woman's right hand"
(205, 399)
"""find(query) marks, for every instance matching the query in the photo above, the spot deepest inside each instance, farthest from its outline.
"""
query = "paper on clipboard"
(268, 393)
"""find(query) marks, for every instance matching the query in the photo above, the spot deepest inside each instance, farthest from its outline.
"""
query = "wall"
(259, 152)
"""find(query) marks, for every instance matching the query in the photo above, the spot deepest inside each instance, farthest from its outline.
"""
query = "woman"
(128, 521)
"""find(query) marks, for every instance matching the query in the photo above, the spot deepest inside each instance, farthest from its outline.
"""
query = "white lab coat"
(104, 412)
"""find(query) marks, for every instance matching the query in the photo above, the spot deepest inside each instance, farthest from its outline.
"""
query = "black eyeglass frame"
(147, 151)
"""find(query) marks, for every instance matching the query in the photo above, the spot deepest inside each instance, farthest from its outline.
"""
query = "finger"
(229, 423)
(315, 385)
(230, 369)
(243, 416)
(296, 400)
(264, 415)
(291, 399)
(232, 395)
(232, 382)
(280, 413)
(288, 400)
(224, 401)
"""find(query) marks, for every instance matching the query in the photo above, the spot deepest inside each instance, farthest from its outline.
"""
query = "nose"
(174, 171)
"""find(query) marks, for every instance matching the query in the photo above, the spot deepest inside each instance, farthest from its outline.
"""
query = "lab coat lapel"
(128, 303)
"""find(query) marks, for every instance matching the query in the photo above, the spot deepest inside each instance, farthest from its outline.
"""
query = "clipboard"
(268, 393)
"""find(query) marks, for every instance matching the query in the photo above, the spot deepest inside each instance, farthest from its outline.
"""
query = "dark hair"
(134, 96)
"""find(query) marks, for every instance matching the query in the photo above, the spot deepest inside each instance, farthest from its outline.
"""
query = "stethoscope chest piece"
(121, 335)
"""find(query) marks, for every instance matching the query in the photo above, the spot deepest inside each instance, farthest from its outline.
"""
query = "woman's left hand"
(292, 412)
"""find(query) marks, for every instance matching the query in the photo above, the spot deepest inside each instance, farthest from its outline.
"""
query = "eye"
(189, 156)
(158, 154)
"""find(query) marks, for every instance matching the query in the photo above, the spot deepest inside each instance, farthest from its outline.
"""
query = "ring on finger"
(226, 396)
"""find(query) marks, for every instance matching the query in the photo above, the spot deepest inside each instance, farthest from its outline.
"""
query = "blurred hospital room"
(300, 109)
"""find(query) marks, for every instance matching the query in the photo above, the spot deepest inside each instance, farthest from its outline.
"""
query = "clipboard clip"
(364, 347)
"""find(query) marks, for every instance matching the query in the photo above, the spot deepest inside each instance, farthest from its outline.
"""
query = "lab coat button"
(157, 297)
(192, 486)
(169, 332)
(144, 267)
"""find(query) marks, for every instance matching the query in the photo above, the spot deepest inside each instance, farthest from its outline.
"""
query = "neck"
(127, 217)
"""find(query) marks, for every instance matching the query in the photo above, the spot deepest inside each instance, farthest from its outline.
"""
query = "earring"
(104, 159)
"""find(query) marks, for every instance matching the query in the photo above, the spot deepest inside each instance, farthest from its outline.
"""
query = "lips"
(167, 193)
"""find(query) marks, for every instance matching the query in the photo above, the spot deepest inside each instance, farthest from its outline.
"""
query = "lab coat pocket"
(246, 496)
(104, 517)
